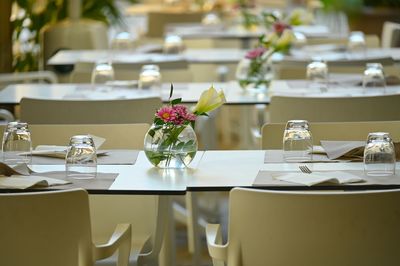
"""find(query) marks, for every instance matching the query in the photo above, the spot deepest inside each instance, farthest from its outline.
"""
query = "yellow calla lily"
(209, 100)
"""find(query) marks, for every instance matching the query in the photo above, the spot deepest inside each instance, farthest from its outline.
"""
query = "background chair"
(148, 213)
(177, 71)
(53, 228)
(287, 228)
(296, 69)
(390, 35)
(42, 111)
(272, 134)
(331, 109)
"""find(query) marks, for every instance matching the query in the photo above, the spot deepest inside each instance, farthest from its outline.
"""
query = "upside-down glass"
(173, 44)
(297, 141)
(211, 19)
(374, 77)
(356, 44)
(379, 155)
(81, 158)
(317, 74)
(16, 144)
(123, 41)
(102, 73)
(150, 78)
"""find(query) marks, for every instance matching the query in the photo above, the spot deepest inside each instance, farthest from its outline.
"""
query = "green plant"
(355, 6)
(30, 16)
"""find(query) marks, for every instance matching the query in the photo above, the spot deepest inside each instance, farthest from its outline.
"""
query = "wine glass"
(17, 144)
(81, 158)
(379, 155)
(297, 141)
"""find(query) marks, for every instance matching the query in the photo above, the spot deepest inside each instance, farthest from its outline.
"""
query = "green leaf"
(171, 91)
(176, 101)
(152, 133)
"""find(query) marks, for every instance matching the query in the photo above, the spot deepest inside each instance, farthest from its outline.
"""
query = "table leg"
(168, 249)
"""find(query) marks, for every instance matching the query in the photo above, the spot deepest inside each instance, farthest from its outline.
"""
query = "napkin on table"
(20, 177)
(315, 178)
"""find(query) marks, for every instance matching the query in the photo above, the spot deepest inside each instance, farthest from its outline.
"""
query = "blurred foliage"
(354, 6)
(30, 16)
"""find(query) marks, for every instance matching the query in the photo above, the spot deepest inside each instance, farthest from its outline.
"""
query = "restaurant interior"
(199, 132)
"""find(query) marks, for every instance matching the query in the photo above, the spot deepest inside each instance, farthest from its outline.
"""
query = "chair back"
(390, 35)
(171, 71)
(43, 111)
(321, 228)
(272, 134)
(146, 213)
(332, 109)
(45, 229)
(292, 68)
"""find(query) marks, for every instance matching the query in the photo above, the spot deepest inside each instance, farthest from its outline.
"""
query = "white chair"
(43, 111)
(330, 109)
(390, 35)
(272, 134)
(53, 228)
(147, 213)
(309, 228)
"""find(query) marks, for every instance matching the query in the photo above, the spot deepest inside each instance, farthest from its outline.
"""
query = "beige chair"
(147, 213)
(53, 228)
(296, 69)
(272, 134)
(390, 35)
(309, 228)
(330, 109)
(177, 71)
(42, 111)
(158, 20)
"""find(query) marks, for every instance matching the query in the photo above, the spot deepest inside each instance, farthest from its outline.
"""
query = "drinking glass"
(317, 74)
(357, 44)
(379, 155)
(173, 44)
(297, 141)
(211, 19)
(81, 158)
(102, 73)
(123, 41)
(150, 78)
(374, 77)
(16, 144)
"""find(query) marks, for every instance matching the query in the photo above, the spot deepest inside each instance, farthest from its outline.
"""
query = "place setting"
(378, 155)
(80, 158)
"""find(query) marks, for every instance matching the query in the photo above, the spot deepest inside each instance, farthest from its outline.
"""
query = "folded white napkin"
(60, 151)
(315, 178)
(24, 182)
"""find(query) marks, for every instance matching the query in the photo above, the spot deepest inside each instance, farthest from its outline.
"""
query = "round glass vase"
(170, 146)
(254, 78)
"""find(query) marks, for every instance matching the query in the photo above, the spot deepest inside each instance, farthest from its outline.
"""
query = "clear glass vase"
(254, 78)
(170, 146)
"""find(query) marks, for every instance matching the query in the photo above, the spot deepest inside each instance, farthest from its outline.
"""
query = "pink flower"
(256, 52)
(182, 114)
(167, 114)
(279, 27)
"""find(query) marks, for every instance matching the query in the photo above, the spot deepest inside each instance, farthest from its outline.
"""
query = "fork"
(305, 169)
